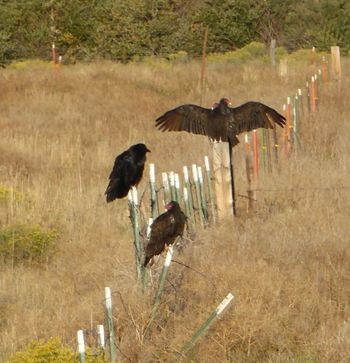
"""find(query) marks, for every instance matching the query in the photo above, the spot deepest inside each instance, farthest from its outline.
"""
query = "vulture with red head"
(221, 122)
(164, 230)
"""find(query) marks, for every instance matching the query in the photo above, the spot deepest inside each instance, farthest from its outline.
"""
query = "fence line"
(200, 187)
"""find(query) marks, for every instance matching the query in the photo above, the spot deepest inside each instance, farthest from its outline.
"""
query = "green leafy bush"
(21, 243)
(52, 351)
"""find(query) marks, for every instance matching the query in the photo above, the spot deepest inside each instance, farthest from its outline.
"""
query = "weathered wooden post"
(336, 67)
(223, 180)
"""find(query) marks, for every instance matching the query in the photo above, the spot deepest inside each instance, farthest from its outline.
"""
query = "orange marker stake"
(53, 54)
(247, 167)
(256, 154)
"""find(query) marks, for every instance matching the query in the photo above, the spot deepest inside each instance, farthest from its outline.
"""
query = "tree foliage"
(124, 29)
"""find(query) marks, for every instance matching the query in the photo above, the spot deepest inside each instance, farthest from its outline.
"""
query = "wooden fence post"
(336, 68)
(222, 180)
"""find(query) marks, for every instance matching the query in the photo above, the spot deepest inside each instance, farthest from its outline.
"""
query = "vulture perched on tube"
(164, 230)
(221, 122)
(127, 171)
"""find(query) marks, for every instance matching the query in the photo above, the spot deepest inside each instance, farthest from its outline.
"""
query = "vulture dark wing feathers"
(253, 115)
(164, 230)
(127, 171)
(221, 123)
(190, 118)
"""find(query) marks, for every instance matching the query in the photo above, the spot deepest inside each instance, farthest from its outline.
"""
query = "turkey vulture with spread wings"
(127, 171)
(164, 230)
(220, 122)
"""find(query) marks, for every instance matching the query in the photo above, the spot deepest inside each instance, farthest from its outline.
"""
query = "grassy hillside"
(287, 263)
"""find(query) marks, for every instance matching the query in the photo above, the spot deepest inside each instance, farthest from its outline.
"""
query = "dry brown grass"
(288, 263)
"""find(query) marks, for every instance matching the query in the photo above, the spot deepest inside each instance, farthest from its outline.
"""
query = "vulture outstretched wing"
(221, 122)
(190, 118)
(253, 115)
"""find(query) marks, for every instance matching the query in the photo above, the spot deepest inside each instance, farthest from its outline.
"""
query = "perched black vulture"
(127, 171)
(220, 122)
(164, 230)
